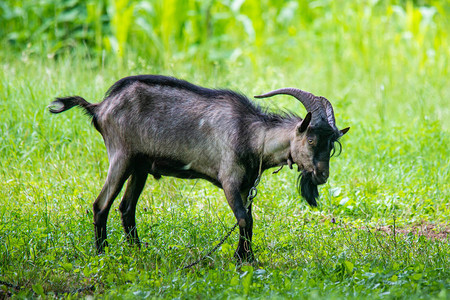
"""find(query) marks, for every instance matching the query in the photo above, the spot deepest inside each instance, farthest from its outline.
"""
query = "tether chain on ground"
(251, 195)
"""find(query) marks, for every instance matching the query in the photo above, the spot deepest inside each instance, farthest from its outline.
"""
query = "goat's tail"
(66, 103)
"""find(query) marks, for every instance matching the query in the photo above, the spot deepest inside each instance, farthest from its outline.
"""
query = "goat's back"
(166, 117)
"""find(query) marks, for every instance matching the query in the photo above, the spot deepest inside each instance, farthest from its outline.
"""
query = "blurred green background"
(352, 32)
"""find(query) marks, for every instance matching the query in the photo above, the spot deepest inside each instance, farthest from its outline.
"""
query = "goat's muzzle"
(321, 173)
(319, 177)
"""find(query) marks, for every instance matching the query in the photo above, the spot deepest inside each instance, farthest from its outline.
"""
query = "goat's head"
(313, 141)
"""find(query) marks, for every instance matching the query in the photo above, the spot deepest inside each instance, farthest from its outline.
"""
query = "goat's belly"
(167, 167)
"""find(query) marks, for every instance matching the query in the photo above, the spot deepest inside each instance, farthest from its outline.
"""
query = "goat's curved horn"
(320, 105)
(307, 99)
(329, 111)
(312, 104)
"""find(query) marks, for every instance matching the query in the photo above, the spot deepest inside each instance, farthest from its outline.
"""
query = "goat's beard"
(307, 188)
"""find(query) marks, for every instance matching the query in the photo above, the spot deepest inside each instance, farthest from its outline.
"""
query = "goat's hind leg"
(127, 207)
(117, 174)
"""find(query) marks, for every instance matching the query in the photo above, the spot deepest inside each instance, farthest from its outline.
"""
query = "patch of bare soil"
(431, 231)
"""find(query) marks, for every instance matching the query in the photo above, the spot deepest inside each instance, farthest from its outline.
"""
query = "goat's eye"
(310, 141)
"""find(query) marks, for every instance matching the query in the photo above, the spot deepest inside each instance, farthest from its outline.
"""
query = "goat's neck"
(276, 145)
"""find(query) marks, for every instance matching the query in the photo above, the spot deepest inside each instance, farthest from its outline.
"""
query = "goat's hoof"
(242, 258)
(242, 255)
(101, 247)
(134, 242)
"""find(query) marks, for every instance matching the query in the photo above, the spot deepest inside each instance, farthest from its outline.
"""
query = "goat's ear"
(344, 131)
(305, 123)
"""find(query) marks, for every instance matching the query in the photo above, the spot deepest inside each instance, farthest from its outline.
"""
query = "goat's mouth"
(316, 177)
(319, 179)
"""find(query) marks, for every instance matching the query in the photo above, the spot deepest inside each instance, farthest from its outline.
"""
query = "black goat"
(168, 127)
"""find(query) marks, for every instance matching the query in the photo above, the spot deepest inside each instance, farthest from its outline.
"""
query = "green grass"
(54, 166)
(387, 78)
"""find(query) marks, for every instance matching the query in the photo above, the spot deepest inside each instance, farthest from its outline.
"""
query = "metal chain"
(212, 250)
(251, 195)
(253, 192)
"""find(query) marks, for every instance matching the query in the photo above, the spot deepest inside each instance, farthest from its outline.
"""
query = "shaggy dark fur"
(307, 188)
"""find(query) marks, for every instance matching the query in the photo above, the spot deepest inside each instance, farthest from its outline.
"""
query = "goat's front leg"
(245, 220)
(244, 249)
